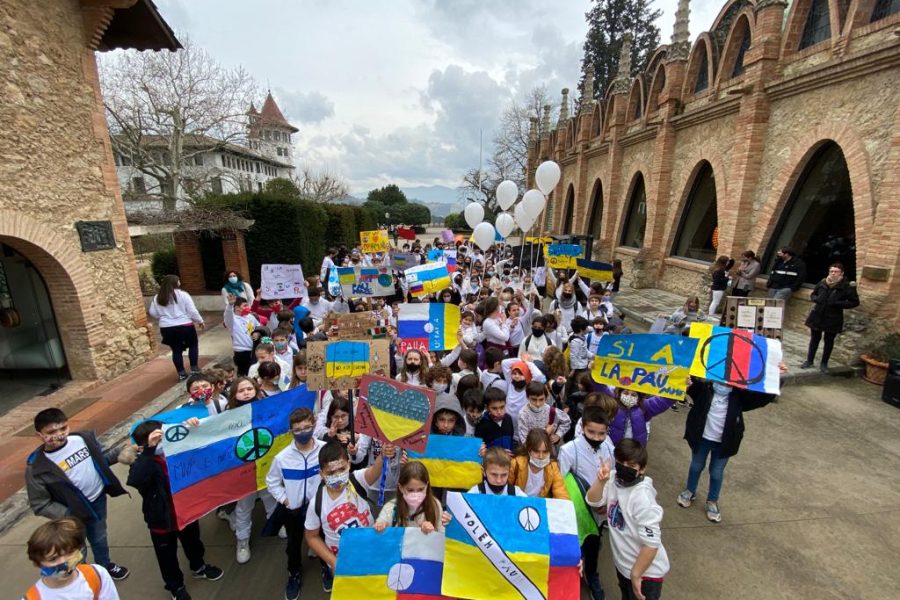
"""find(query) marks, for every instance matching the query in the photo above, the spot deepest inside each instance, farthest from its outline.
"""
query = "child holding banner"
(415, 504)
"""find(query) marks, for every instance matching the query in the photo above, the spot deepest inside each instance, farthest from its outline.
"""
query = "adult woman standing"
(176, 313)
(719, 282)
(747, 272)
(237, 287)
(830, 297)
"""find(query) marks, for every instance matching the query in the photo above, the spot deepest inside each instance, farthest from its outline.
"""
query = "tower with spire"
(269, 133)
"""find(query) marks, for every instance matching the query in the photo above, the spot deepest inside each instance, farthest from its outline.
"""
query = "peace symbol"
(529, 519)
(176, 433)
(733, 372)
(253, 444)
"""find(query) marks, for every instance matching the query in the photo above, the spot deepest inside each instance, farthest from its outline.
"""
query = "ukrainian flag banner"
(562, 256)
(228, 455)
(430, 326)
(427, 279)
(594, 270)
(520, 547)
(452, 462)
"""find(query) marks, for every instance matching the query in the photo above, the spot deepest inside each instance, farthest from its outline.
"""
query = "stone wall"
(56, 168)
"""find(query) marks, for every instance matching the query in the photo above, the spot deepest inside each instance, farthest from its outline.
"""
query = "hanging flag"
(519, 547)
(594, 270)
(737, 357)
(428, 326)
(365, 281)
(406, 233)
(400, 563)
(427, 279)
(228, 455)
(584, 515)
(452, 462)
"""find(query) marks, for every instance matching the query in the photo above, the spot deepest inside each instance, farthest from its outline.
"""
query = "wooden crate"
(763, 313)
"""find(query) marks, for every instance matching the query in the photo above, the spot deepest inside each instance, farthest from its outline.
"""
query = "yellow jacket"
(554, 486)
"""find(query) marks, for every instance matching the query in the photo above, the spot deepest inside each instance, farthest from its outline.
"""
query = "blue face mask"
(64, 569)
(303, 437)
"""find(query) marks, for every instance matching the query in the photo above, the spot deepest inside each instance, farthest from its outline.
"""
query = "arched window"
(636, 217)
(818, 24)
(699, 219)
(817, 222)
(596, 222)
(570, 209)
(703, 74)
(742, 50)
(884, 9)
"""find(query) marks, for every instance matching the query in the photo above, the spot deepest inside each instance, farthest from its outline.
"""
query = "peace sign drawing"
(253, 444)
(733, 358)
(176, 433)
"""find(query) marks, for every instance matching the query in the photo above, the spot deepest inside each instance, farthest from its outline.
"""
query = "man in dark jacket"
(830, 297)
(787, 275)
(69, 475)
(149, 476)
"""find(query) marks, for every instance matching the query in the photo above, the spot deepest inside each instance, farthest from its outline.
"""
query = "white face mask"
(539, 463)
(628, 400)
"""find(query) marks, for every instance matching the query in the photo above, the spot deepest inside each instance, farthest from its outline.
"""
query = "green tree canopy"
(389, 195)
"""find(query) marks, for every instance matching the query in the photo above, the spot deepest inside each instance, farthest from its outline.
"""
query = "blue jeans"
(96, 532)
(717, 464)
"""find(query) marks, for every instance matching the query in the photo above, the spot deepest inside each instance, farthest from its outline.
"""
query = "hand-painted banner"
(400, 261)
(400, 563)
(177, 415)
(429, 326)
(395, 412)
(282, 281)
(334, 284)
(594, 270)
(652, 364)
(357, 325)
(452, 462)
(339, 365)
(228, 455)
(450, 260)
(435, 255)
(737, 357)
(520, 547)
(374, 241)
(427, 279)
(538, 240)
(365, 281)
(562, 256)
(584, 517)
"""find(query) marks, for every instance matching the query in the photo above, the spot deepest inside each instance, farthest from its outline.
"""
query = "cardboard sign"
(356, 326)
(282, 281)
(374, 241)
(340, 364)
(430, 326)
(427, 279)
(400, 261)
(395, 412)
(653, 364)
(365, 281)
(562, 256)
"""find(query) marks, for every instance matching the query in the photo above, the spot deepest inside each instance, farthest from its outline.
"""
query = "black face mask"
(497, 489)
(567, 296)
(520, 385)
(412, 368)
(593, 443)
(537, 332)
(627, 476)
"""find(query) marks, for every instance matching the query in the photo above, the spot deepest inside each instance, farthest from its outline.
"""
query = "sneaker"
(181, 594)
(327, 578)
(806, 364)
(243, 552)
(196, 371)
(282, 533)
(182, 375)
(292, 589)
(712, 512)
(117, 572)
(685, 498)
(209, 572)
(823, 368)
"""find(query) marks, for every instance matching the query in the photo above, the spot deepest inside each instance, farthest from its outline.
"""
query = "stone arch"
(796, 23)
(623, 222)
(657, 58)
(595, 211)
(702, 46)
(69, 283)
(596, 121)
(743, 26)
(570, 133)
(636, 106)
(609, 112)
(675, 227)
(657, 86)
(569, 209)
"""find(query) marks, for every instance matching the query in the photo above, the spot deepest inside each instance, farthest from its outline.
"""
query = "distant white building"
(224, 168)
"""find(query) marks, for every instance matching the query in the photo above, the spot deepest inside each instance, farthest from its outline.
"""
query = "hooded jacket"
(449, 402)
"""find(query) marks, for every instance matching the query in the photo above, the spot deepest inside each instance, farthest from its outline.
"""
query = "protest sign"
(374, 241)
(562, 256)
(282, 281)
(365, 281)
(340, 364)
(737, 357)
(430, 326)
(653, 364)
(401, 261)
(427, 279)
(452, 461)
(395, 412)
(356, 326)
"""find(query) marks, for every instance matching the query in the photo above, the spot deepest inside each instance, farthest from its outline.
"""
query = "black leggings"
(814, 336)
(243, 359)
(180, 338)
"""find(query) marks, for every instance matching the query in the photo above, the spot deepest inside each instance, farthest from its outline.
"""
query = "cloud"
(304, 107)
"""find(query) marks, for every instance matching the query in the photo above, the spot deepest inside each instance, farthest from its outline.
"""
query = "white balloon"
(533, 202)
(484, 235)
(524, 220)
(547, 176)
(507, 192)
(474, 214)
(505, 224)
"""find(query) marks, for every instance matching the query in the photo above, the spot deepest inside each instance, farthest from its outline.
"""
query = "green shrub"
(342, 227)
(164, 263)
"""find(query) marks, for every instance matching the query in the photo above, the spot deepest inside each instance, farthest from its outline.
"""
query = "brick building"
(70, 300)
(778, 127)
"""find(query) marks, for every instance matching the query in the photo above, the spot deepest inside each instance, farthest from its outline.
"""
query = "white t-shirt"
(715, 418)
(75, 460)
(79, 588)
(348, 510)
(535, 483)
(489, 492)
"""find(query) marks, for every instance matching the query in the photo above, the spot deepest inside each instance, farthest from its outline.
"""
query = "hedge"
(342, 226)
(164, 263)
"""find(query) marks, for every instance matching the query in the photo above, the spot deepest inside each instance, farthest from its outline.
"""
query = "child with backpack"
(539, 414)
(495, 467)
(415, 504)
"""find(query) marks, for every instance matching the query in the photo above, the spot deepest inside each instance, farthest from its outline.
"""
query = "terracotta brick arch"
(71, 288)
(567, 222)
(721, 180)
(743, 22)
(858, 165)
(598, 192)
(624, 205)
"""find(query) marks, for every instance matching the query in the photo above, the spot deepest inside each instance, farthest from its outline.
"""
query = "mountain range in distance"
(440, 199)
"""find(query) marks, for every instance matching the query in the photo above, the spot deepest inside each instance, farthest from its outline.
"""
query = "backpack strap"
(510, 489)
(32, 593)
(481, 488)
(317, 505)
(552, 418)
(92, 577)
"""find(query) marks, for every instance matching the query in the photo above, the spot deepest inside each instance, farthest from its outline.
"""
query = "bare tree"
(320, 185)
(166, 108)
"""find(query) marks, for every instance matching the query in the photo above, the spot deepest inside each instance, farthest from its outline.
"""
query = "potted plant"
(876, 356)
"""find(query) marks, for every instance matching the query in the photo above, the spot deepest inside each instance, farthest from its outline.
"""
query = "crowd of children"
(519, 379)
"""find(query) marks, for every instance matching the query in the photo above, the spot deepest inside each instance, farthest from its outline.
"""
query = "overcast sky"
(396, 91)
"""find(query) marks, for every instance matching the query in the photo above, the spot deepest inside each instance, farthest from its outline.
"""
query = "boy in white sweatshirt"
(240, 322)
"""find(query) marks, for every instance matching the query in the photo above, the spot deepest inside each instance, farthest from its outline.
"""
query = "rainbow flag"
(427, 279)
(519, 547)
(431, 326)
(346, 359)
(400, 563)
(737, 357)
(452, 461)
(594, 270)
(228, 455)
